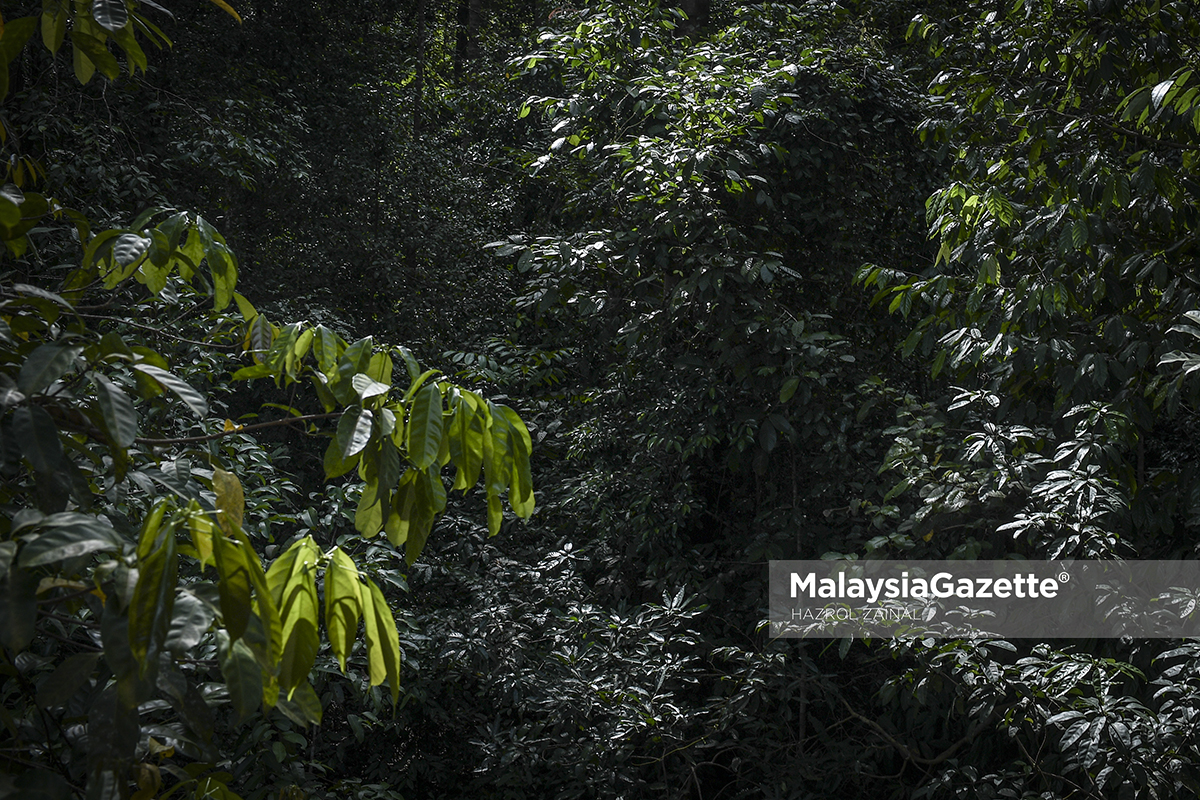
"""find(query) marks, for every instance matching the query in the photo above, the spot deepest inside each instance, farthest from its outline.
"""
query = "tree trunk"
(419, 78)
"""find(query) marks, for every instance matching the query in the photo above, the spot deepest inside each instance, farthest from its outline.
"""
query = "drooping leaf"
(343, 604)
(98, 57)
(303, 707)
(354, 431)
(383, 640)
(231, 499)
(292, 583)
(67, 678)
(44, 366)
(243, 677)
(190, 619)
(233, 584)
(117, 411)
(18, 609)
(110, 14)
(67, 535)
(228, 9)
(152, 605)
(424, 433)
(193, 399)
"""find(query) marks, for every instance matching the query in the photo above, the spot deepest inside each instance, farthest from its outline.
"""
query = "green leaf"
(97, 55)
(54, 24)
(190, 620)
(343, 604)
(467, 429)
(67, 679)
(383, 641)
(16, 33)
(110, 14)
(368, 516)
(153, 601)
(789, 389)
(37, 436)
(424, 433)
(44, 366)
(193, 399)
(293, 586)
(327, 349)
(334, 464)
(243, 678)
(303, 707)
(222, 265)
(18, 609)
(354, 431)
(68, 535)
(367, 387)
(231, 500)
(233, 585)
(117, 411)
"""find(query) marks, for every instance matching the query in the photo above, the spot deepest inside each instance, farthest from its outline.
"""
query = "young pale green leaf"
(468, 426)
(222, 265)
(368, 516)
(231, 500)
(343, 604)
(153, 601)
(427, 501)
(424, 433)
(303, 707)
(383, 640)
(291, 583)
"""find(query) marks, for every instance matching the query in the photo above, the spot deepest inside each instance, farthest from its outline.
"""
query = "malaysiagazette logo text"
(941, 586)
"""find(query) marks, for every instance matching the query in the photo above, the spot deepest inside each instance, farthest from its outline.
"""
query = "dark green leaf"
(44, 366)
(67, 679)
(190, 619)
(18, 609)
(120, 418)
(424, 433)
(68, 535)
(353, 432)
(243, 677)
(194, 400)
(37, 436)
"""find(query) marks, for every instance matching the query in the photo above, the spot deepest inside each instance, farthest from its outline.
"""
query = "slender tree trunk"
(474, 20)
(466, 42)
(419, 78)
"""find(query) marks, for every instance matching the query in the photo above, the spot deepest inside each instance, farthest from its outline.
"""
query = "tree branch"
(909, 754)
(239, 429)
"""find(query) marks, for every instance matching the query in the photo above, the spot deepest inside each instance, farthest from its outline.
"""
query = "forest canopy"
(405, 399)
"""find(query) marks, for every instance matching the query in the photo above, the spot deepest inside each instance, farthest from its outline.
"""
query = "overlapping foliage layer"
(765, 280)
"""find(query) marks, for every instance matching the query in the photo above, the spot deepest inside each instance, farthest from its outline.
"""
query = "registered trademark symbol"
(1063, 577)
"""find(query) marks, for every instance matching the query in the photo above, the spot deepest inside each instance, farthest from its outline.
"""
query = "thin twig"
(239, 429)
(159, 331)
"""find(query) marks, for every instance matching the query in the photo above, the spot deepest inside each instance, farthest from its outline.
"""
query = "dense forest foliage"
(403, 399)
